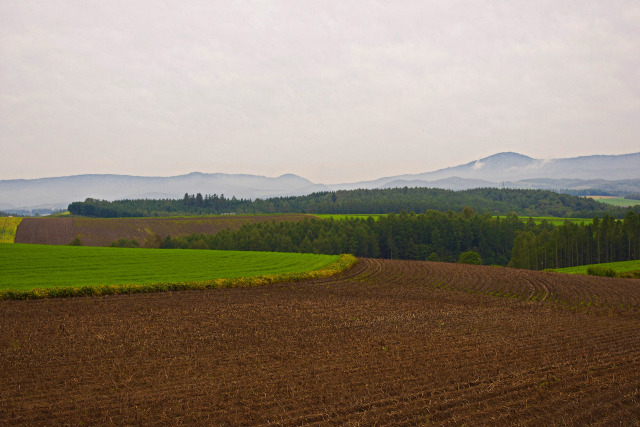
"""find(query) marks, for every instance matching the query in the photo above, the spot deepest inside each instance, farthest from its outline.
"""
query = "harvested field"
(387, 342)
(104, 231)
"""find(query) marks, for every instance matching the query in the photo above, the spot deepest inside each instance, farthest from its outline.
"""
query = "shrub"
(597, 270)
(470, 257)
(124, 243)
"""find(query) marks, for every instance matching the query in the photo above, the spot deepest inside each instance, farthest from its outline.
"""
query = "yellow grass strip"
(8, 227)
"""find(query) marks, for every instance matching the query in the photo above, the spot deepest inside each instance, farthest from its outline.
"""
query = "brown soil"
(104, 231)
(377, 345)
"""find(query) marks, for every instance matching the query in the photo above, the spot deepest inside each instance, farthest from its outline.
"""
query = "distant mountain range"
(513, 168)
(619, 174)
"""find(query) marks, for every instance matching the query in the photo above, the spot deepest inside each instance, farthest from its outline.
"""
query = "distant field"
(103, 231)
(558, 221)
(618, 201)
(45, 266)
(8, 226)
(619, 267)
(538, 219)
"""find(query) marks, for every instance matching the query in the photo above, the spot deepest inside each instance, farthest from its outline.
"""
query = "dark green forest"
(569, 245)
(493, 201)
(438, 236)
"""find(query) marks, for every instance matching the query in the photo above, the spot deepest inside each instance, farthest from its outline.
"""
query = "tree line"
(603, 240)
(436, 236)
(377, 201)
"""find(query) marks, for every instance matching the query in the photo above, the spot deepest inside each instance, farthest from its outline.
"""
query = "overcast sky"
(334, 91)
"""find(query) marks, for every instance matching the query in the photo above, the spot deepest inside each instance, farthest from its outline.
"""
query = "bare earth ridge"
(387, 342)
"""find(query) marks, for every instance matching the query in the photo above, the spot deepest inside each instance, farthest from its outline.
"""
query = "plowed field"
(103, 231)
(387, 342)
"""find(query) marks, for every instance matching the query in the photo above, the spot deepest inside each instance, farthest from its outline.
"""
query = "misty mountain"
(58, 192)
(618, 174)
(513, 167)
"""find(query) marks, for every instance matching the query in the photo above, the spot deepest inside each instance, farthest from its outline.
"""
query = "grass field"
(619, 267)
(558, 221)
(619, 201)
(537, 219)
(8, 226)
(45, 266)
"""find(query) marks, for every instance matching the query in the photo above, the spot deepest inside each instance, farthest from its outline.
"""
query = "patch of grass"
(557, 220)
(45, 266)
(619, 201)
(620, 268)
(8, 227)
(537, 219)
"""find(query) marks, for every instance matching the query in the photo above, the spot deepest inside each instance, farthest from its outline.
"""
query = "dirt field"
(103, 231)
(386, 343)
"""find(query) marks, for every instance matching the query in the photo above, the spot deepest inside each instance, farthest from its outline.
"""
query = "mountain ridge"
(506, 169)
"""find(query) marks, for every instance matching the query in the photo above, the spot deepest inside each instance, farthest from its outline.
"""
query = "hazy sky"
(334, 91)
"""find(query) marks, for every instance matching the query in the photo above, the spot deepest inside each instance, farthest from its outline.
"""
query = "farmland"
(387, 342)
(45, 266)
(616, 201)
(103, 231)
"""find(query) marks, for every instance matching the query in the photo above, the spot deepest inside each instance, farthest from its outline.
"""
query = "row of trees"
(433, 235)
(437, 236)
(380, 201)
(568, 245)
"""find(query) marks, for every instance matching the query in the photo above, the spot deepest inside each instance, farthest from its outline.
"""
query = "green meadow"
(537, 219)
(618, 267)
(46, 266)
(619, 201)
(557, 220)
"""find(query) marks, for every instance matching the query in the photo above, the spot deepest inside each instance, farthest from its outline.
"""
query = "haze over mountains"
(617, 174)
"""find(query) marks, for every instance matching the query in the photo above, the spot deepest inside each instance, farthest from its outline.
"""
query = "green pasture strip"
(537, 219)
(619, 201)
(619, 267)
(8, 227)
(557, 220)
(46, 266)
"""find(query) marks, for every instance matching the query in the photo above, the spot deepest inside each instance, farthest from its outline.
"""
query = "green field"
(619, 267)
(536, 219)
(619, 201)
(8, 227)
(46, 266)
(556, 220)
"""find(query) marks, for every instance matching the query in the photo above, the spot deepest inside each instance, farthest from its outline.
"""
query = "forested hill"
(379, 201)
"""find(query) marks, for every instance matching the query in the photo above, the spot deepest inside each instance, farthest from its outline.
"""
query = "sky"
(334, 91)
